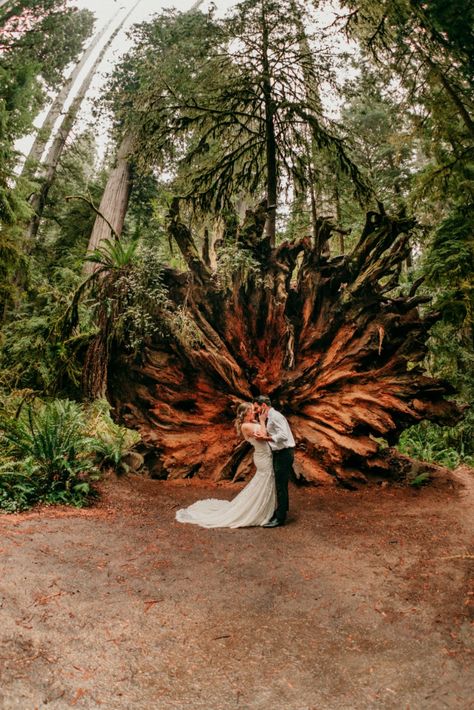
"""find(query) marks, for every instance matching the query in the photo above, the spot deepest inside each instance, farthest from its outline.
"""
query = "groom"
(282, 445)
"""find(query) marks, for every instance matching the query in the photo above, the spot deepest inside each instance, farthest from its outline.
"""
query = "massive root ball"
(322, 337)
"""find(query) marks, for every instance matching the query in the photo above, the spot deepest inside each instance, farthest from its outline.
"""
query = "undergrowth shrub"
(232, 259)
(48, 456)
(52, 452)
(112, 442)
(34, 353)
(447, 446)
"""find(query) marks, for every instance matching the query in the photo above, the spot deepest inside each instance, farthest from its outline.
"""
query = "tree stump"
(331, 341)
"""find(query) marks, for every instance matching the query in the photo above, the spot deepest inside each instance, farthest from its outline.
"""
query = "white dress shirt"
(279, 429)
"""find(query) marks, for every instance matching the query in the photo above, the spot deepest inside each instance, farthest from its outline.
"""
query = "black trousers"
(282, 466)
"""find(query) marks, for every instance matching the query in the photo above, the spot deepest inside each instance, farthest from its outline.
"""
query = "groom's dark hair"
(262, 399)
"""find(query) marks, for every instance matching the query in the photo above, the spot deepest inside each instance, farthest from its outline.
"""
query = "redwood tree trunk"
(57, 107)
(114, 202)
(39, 199)
(314, 101)
(327, 339)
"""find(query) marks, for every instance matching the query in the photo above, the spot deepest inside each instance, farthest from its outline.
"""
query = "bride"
(255, 503)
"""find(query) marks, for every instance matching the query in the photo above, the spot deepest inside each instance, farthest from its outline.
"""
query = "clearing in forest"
(361, 601)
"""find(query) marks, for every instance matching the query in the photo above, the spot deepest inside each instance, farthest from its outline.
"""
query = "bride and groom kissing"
(264, 500)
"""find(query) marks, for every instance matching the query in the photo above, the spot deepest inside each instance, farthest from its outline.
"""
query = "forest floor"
(362, 601)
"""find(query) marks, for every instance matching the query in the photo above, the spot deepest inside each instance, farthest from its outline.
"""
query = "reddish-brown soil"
(361, 601)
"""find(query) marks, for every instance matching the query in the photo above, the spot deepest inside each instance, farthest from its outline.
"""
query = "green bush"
(435, 444)
(18, 485)
(35, 353)
(111, 442)
(48, 456)
(53, 451)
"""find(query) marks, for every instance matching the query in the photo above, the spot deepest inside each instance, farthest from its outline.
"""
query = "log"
(336, 349)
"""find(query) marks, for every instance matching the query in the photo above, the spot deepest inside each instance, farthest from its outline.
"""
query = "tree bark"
(314, 101)
(270, 140)
(114, 203)
(314, 206)
(325, 338)
(337, 205)
(57, 107)
(39, 199)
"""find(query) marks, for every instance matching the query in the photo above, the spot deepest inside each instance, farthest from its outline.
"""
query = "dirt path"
(362, 601)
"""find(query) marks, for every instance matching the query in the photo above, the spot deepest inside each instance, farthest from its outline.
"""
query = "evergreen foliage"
(39, 40)
(246, 119)
(226, 114)
(46, 450)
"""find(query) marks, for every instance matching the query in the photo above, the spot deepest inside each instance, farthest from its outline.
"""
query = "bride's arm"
(248, 429)
(263, 424)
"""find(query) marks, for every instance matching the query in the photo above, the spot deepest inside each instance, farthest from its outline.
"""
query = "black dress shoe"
(273, 523)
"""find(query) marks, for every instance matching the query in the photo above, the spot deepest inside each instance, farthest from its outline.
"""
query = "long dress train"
(254, 505)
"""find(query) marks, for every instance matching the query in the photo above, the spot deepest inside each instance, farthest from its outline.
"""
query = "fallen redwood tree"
(321, 336)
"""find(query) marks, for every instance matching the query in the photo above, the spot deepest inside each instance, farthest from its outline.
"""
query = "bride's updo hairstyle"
(242, 410)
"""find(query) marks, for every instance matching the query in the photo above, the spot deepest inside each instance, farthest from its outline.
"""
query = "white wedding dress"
(254, 505)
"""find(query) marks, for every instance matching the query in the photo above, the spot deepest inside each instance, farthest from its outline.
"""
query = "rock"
(133, 461)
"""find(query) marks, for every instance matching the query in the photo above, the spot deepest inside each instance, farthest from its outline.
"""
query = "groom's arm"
(276, 430)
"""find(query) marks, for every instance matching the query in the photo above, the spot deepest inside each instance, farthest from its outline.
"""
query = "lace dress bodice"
(262, 455)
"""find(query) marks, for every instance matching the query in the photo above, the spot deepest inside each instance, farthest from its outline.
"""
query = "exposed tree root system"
(329, 339)
(361, 601)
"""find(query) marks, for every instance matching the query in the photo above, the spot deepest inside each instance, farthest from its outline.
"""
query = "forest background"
(389, 122)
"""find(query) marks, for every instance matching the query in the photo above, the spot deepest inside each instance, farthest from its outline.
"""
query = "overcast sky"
(104, 9)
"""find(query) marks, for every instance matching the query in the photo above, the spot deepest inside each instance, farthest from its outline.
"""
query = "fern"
(114, 254)
(48, 456)
(110, 441)
(420, 480)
